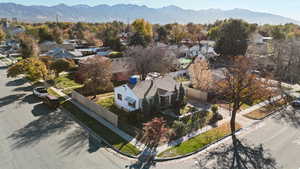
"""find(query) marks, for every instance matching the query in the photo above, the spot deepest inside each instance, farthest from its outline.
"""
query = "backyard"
(67, 83)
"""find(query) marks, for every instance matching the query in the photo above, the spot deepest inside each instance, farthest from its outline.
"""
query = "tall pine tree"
(233, 38)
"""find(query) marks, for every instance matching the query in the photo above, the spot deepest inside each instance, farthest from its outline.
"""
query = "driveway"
(34, 137)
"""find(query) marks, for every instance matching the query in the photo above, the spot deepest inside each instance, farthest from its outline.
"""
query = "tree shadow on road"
(41, 110)
(4, 101)
(17, 82)
(30, 99)
(24, 89)
(77, 141)
(54, 123)
(237, 156)
(289, 116)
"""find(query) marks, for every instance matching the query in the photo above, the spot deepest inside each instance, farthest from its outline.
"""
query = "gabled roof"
(164, 84)
(59, 53)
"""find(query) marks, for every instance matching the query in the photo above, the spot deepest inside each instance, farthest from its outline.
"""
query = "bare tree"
(285, 55)
(151, 59)
(96, 74)
(238, 87)
(201, 75)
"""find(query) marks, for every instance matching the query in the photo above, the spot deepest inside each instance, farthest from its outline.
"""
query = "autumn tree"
(194, 32)
(45, 34)
(233, 38)
(201, 75)
(91, 38)
(29, 47)
(238, 87)
(60, 65)
(33, 68)
(177, 34)
(277, 33)
(2, 35)
(58, 35)
(142, 33)
(155, 132)
(150, 59)
(96, 74)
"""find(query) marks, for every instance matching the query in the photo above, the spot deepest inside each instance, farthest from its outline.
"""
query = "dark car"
(296, 103)
(51, 101)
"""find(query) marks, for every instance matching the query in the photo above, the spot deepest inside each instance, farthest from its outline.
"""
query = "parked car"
(296, 103)
(51, 101)
(40, 92)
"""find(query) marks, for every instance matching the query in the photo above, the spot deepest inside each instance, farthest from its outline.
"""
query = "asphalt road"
(280, 136)
(34, 137)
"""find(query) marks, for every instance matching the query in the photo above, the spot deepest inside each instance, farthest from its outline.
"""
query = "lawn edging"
(195, 152)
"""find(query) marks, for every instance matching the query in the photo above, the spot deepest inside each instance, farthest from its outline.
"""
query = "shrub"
(179, 128)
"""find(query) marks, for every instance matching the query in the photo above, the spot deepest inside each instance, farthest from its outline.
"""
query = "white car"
(40, 92)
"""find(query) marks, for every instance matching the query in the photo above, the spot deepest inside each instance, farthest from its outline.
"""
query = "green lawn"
(198, 142)
(66, 82)
(108, 103)
(53, 93)
(182, 79)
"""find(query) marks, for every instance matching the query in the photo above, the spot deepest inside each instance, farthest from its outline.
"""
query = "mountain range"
(127, 13)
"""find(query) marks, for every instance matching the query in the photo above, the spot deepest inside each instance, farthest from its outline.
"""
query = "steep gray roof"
(164, 84)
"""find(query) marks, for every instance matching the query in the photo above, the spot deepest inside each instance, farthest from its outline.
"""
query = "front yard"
(198, 142)
(265, 110)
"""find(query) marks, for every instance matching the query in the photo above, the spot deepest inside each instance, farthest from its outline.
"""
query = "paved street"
(281, 136)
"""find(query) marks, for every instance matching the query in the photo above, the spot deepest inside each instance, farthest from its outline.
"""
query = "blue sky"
(289, 8)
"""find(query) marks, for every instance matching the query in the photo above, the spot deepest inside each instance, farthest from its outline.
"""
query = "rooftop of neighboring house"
(63, 53)
(162, 85)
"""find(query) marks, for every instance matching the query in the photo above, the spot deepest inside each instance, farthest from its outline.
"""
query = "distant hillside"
(125, 13)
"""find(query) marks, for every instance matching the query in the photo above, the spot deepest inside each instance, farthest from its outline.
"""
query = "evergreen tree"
(138, 39)
(174, 97)
(156, 104)
(181, 94)
(233, 38)
(145, 106)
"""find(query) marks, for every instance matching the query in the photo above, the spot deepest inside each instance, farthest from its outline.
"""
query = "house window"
(164, 101)
(132, 104)
(119, 97)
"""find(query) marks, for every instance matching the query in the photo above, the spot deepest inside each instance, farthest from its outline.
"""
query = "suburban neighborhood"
(140, 94)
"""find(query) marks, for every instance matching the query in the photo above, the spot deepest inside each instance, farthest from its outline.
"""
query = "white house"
(130, 96)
